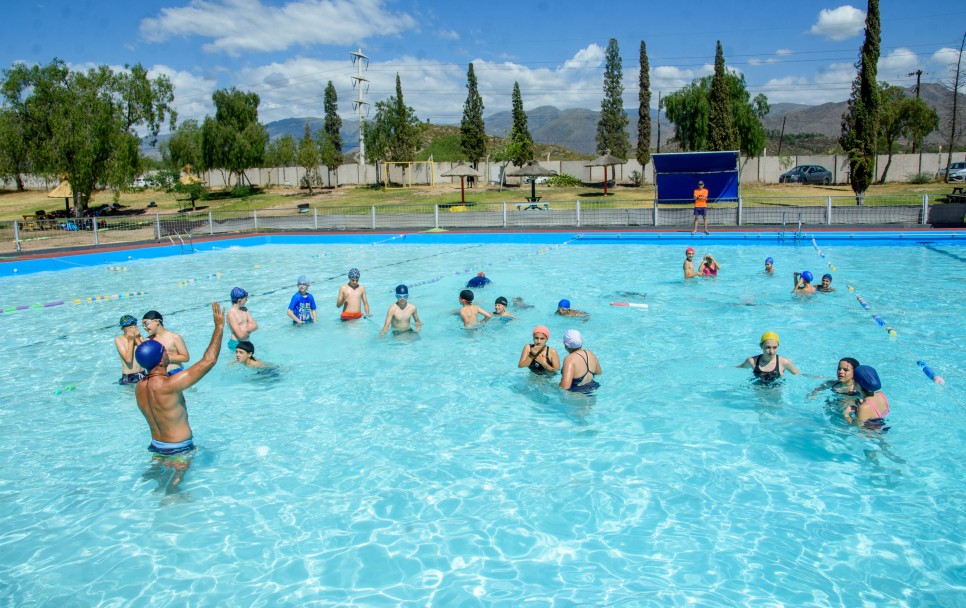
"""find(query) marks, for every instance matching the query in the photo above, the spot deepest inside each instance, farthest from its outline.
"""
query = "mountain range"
(575, 129)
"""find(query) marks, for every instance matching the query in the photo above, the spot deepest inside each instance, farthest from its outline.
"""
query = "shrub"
(563, 181)
(920, 178)
(241, 191)
(636, 178)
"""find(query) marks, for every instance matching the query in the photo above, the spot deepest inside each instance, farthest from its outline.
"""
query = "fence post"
(925, 209)
(255, 220)
(315, 212)
(373, 217)
(157, 226)
(828, 210)
(578, 214)
(211, 223)
(16, 233)
(741, 209)
(94, 228)
(655, 212)
(504, 215)
(436, 215)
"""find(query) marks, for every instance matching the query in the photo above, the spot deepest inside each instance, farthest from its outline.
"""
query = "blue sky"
(287, 51)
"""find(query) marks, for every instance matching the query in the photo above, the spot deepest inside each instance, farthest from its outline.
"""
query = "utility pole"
(918, 75)
(360, 104)
(658, 122)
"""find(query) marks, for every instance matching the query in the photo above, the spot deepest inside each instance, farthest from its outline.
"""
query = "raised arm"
(196, 372)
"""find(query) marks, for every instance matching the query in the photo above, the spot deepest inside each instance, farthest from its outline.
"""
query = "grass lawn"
(14, 205)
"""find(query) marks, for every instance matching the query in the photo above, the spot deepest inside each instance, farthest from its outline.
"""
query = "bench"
(533, 205)
(185, 204)
(958, 190)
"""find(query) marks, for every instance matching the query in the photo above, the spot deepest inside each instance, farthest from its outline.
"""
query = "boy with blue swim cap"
(400, 314)
(301, 308)
(126, 343)
(564, 310)
(240, 320)
(769, 265)
(803, 282)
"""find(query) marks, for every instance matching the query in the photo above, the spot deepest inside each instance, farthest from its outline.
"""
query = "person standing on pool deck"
(580, 367)
(689, 272)
(803, 282)
(700, 207)
(240, 321)
(352, 298)
(539, 356)
(301, 309)
(769, 365)
(400, 313)
(160, 397)
(130, 338)
(173, 343)
(470, 312)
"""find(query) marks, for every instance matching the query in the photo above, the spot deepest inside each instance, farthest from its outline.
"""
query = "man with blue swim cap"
(564, 310)
(160, 397)
(130, 338)
(803, 282)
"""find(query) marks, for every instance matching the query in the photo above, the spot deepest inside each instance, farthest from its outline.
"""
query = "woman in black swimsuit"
(581, 367)
(539, 357)
(769, 365)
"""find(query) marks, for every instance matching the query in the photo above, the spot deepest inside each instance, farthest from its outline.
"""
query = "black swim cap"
(502, 300)
(152, 315)
(467, 295)
(246, 346)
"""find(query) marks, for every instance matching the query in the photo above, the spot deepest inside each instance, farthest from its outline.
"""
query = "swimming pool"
(434, 472)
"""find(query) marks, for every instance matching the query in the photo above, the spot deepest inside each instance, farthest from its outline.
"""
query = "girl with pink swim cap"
(539, 357)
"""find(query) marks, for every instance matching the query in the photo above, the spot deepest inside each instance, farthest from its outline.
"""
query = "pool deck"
(59, 259)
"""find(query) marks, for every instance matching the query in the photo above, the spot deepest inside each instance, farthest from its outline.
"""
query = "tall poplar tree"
(472, 128)
(860, 123)
(644, 111)
(308, 158)
(330, 140)
(722, 133)
(611, 133)
(520, 139)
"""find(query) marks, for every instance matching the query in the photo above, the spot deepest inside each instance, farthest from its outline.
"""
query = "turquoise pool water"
(433, 472)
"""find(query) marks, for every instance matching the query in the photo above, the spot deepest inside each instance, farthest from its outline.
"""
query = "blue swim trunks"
(699, 211)
(170, 449)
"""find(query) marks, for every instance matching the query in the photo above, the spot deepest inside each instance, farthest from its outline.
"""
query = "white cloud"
(590, 57)
(839, 23)
(755, 61)
(899, 62)
(783, 52)
(831, 84)
(449, 35)
(944, 57)
(237, 26)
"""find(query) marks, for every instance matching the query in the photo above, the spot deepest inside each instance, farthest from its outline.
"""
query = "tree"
(308, 158)
(955, 112)
(472, 128)
(505, 154)
(184, 147)
(233, 140)
(521, 150)
(611, 134)
(689, 109)
(860, 123)
(281, 152)
(722, 133)
(84, 126)
(901, 116)
(922, 121)
(644, 111)
(14, 155)
(330, 138)
(395, 133)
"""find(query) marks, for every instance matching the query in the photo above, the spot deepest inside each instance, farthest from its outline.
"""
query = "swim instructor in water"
(160, 396)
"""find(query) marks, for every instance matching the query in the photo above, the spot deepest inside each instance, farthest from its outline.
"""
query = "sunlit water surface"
(432, 471)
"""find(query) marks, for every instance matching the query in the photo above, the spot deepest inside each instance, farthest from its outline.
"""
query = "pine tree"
(644, 109)
(611, 134)
(722, 133)
(860, 124)
(472, 128)
(308, 157)
(522, 142)
(330, 142)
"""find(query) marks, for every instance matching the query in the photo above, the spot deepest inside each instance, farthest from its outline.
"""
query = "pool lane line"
(88, 299)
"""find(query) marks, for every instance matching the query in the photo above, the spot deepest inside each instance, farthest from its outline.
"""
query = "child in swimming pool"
(539, 356)
(499, 309)
(352, 298)
(709, 266)
(872, 406)
(564, 310)
(469, 312)
(769, 358)
(301, 309)
(400, 313)
(803, 282)
(844, 383)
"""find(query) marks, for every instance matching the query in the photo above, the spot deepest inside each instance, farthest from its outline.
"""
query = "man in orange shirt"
(700, 207)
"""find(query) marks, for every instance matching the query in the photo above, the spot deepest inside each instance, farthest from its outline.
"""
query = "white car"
(957, 172)
(139, 182)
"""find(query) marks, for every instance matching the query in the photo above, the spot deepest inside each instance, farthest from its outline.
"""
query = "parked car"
(806, 174)
(957, 172)
(139, 182)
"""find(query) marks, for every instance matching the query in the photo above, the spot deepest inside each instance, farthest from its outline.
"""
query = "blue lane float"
(929, 373)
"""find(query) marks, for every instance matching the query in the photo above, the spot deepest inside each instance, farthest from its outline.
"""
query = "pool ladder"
(191, 246)
(797, 235)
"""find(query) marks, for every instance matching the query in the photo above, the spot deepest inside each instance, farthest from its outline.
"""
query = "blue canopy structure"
(678, 175)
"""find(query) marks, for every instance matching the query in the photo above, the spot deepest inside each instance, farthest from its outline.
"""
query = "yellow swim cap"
(769, 335)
